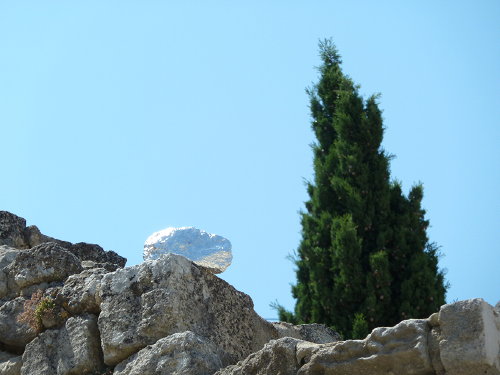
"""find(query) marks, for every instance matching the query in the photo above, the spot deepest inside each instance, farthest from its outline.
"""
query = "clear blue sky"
(120, 118)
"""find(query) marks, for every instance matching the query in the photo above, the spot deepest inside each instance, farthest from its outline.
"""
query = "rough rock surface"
(317, 333)
(462, 339)
(13, 334)
(178, 354)
(205, 249)
(80, 292)
(171, 316)
(7, 256)
(155, 299)
(470, 338)
(278, 357)
(95, 253)
(12, 230)
(44, 263)
(401, 349)
(73, 349)
(15, 234)
(10, 364)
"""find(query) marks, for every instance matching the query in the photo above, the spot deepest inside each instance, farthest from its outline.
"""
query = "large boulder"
(144, 303)
(12, 230)
(470, 338)
(179, 354)
(72, 350)
(14, 334)
(80, 292)
(401, 349)
(44, 263)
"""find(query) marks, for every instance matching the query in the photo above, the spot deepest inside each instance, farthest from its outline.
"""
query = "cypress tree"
(364, 259)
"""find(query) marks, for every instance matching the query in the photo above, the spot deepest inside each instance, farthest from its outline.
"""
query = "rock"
(397, 350)
(278, 357)
(88, 265)
(179, 354)
(12, 230)
(71, 350)
(144, 303)
(401, 349)
(433, 342)
(10, 364)
(80, 292)
(95, 253)
(14, 334)
(7, 256)
(44, 263)
(316, 333)
(470, 338)
(15, 234)
(205, 249)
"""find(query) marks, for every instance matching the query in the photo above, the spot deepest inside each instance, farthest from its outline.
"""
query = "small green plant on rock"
(39, 308)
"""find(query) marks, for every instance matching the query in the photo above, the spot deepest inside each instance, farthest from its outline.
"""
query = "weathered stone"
(179, 354)
(33, 237)
(317, 333)
(205, 249)
(44, 263)
(89, 264)
(401, 349)
(12, 230)
(144, 303)
(10, 364)
(278, 357)
(80, 292)
(7, 256)
(470, 338)
(72, 350)
(90, 252)
(14, 233)
(434, 355)
(13, 333)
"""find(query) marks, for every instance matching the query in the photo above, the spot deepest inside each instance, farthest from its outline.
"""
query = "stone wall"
(74, 309)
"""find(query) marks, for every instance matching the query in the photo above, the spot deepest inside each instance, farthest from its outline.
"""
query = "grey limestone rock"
(317, 333)
(12, 230)
(470, 338)
(7, 256)
(14, 233)
(14, 334)
(10, 364)
(397, 350)
(44, 263)
(401, 349)
(144, 303)
(278, 357)
(80, 292)
(179, 354)
(72, 350)
(95, 253)
(462, 339)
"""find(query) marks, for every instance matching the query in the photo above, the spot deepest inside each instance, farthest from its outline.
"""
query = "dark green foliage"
(360, 327)
(364, 259)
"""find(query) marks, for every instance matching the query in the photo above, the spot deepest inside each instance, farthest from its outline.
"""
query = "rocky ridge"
(74, 309)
